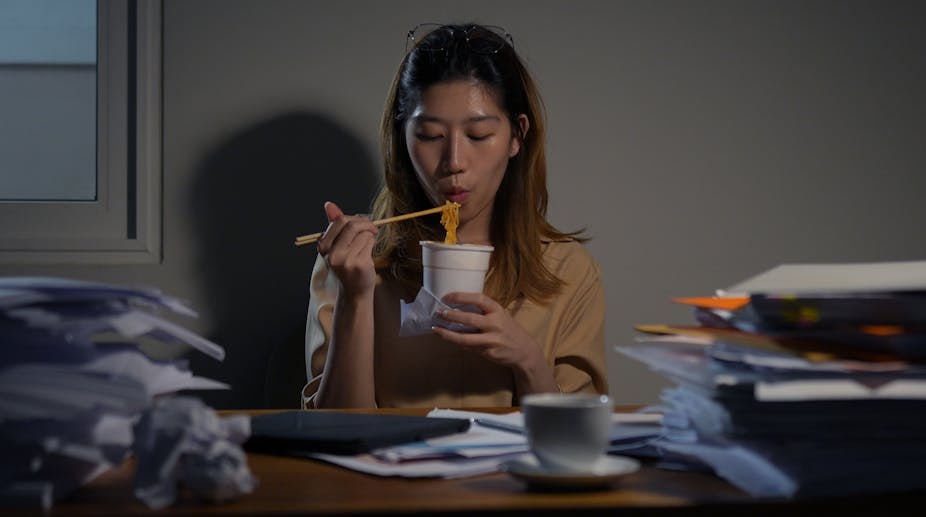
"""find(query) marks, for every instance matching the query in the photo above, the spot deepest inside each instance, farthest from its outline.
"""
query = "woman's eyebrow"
(423, 117)
(482, 118)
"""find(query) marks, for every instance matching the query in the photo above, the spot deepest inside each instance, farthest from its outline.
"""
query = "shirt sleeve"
(579, 363)
(319, 322)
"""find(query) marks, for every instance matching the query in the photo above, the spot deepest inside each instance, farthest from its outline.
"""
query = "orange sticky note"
(729, 303)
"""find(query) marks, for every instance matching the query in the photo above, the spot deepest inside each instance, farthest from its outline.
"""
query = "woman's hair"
(519, 224)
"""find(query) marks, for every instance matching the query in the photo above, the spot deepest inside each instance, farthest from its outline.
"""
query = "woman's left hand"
(500, 339)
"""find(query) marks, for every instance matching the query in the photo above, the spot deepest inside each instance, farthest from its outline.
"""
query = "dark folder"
(297, 432)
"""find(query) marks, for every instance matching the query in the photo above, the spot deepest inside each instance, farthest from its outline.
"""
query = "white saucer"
(603, 473)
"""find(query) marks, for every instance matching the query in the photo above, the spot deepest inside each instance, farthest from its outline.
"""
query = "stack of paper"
(76, 373)
(805, 381)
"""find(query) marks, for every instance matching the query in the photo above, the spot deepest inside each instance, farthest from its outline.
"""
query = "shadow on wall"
(251, 197)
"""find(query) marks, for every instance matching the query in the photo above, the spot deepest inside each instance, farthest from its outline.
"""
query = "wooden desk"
(291, 486)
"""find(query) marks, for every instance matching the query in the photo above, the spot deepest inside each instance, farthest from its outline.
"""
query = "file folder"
(306, 431)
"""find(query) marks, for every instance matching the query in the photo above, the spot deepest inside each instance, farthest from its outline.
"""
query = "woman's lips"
(457, 196)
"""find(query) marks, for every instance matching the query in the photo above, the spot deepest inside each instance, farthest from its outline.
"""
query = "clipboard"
(306, 431)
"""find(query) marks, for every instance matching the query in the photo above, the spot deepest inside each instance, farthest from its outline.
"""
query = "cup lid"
(441, 245)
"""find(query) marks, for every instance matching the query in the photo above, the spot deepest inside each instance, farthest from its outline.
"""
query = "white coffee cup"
(567, 432)
(454, 267)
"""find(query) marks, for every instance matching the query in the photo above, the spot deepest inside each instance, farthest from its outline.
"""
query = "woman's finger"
(339, 247)
(360, 249)
(480, 300)
(329, 236)
(465, 340)
(332, 211)
(336, 221)
(464, 317)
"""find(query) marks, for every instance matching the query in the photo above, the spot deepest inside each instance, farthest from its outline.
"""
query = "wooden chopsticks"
(308, 239)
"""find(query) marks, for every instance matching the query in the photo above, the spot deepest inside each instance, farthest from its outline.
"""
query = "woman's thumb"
(332, 211)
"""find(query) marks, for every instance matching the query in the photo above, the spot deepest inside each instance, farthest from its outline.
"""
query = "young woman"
(463, 123)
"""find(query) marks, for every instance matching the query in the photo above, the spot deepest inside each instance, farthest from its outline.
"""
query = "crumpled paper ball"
(182, 441)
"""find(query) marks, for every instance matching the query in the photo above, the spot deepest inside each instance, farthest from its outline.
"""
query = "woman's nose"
(455, 158)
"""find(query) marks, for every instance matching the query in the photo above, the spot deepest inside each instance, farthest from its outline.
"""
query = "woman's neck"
(476, 230)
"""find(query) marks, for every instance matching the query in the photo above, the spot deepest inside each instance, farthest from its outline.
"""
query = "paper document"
(832, 278)
(455, 468)
(481, 449)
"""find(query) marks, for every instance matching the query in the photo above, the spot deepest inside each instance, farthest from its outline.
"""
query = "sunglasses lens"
(487, 40)
(422, 38)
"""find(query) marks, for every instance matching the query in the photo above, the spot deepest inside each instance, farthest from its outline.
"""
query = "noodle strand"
(450, 218)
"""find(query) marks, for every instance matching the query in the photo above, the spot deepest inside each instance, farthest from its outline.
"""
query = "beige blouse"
(426, 371)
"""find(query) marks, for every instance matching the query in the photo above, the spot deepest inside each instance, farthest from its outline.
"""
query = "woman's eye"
(479, 138)
(427, 138)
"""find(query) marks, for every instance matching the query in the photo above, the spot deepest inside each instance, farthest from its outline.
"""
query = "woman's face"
(460, 140)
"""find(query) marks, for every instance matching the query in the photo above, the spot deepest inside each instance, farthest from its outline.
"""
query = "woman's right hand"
(347, 247)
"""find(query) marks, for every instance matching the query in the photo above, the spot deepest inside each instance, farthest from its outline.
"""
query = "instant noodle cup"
(452, 268)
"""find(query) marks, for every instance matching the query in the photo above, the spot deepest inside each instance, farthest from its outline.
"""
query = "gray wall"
(698, 142)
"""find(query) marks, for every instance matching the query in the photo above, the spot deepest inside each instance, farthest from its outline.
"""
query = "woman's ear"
(518, 136)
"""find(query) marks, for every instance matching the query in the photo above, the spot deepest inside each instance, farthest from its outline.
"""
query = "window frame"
(123, 224)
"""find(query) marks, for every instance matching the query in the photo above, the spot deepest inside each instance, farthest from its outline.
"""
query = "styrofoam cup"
(452, 268)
